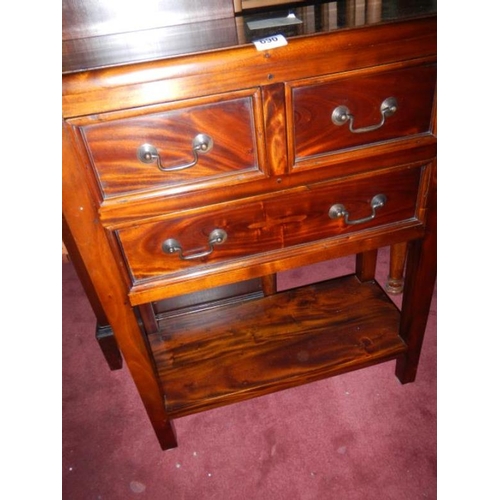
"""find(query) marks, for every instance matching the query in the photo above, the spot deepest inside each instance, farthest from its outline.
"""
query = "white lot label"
(271, 42)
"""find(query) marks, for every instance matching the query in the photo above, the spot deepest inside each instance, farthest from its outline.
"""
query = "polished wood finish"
(421, 273)
(213, 329)
(222, 356)
(366, 265)
(270, 224)
(201, 74)
(362, 92)
(113, 143)
(395, 280)
(111, 290)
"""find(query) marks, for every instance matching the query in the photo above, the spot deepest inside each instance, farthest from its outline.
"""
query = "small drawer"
(220, 234)
(203, 143)
(349, 111)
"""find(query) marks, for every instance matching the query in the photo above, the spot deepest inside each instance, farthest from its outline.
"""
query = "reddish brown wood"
(266, 263)
(148, 317)
(269, 284)
(91, 239)
(395, 280)
(366, 265)
(421, 270)
(118, 212)
(113, 142)
(269, 225)
(210, 73)
(362, 93)
(275, 129)
(223, 356)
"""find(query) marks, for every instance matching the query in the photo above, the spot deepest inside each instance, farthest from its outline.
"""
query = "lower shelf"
(219, 356)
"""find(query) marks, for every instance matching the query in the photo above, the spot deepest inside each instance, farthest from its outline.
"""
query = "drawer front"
(221, 234)
(352, 111)
(195, 144)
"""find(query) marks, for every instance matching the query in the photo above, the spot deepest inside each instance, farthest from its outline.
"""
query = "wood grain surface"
(216, 357)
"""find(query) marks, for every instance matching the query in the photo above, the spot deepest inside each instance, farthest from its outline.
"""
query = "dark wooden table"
(196, 167)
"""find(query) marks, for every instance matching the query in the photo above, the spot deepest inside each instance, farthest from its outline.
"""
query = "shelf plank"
(211, 358)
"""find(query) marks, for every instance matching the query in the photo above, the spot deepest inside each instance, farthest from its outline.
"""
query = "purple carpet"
(357, 436)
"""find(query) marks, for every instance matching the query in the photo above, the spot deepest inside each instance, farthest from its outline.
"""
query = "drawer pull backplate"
(202, 143)
(341, 115)
(338, 210)
(216, 237)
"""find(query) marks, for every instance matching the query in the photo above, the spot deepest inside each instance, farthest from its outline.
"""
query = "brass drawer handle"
(147, 153)
(338, 210)
(216, 237)
(341, 115)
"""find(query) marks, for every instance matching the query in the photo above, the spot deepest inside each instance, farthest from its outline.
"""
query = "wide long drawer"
(216, 235)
